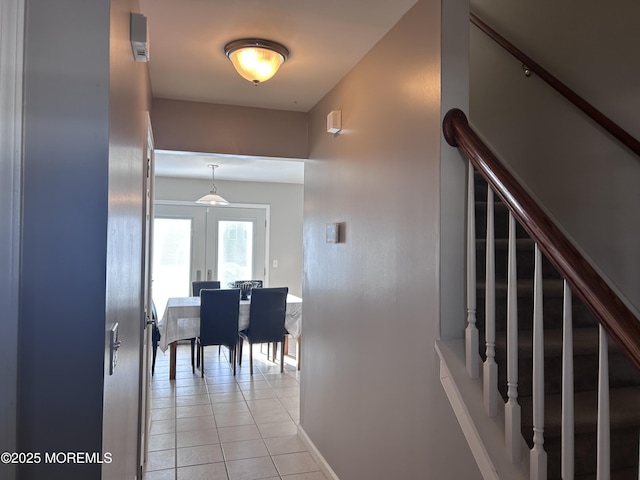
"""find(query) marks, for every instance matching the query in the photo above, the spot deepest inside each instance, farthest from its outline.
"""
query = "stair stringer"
(484, 434)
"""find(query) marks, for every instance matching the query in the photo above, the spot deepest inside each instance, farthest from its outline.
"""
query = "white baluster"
(568, 457)
(604, 455)
(490, 368)
(512, 411)
(538, 456)
(471, 332)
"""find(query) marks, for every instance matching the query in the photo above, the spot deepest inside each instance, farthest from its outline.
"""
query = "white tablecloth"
(181, 318)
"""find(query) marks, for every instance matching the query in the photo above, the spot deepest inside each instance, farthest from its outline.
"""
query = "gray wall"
(453, 170)
(371, 399)
(129, 102)
(80, 218)
(203, 127)
(583, 177)
(286, 201)
(11, 45)
(64, 233)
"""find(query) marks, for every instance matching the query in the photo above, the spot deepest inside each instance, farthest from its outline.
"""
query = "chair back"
(206, 285)
(266, 315)
(219, 312)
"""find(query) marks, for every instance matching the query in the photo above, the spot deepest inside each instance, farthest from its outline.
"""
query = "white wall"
(582, 176)
(286, 205)
(371, 398)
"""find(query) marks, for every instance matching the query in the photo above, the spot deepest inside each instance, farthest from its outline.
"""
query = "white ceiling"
(326, 38)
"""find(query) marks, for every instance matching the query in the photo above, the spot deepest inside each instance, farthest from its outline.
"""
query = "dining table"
(181, 320)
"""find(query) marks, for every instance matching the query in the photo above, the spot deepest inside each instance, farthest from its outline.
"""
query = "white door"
(145, 372)
(206, 243)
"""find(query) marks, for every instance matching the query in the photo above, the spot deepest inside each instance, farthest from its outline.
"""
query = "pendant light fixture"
(212, 198)
(255, 59)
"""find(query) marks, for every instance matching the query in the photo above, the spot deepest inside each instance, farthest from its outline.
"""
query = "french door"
(206, 243)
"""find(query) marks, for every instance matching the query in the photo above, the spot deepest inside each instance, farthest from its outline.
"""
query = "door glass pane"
(171, 259)
(235, 251)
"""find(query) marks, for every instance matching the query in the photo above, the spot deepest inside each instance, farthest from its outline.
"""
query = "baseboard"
(317, 456)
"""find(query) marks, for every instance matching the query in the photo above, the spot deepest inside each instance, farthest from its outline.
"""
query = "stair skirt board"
(485, 435)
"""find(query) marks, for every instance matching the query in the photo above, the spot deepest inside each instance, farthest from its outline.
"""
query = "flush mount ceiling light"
(212, 198)
(255, 59)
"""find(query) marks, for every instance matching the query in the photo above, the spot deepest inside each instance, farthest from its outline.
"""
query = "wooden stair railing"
(614, 316)
(596, 115)
(511, 340)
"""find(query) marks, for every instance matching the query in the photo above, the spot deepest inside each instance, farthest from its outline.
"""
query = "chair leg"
(193, 348)
(251, 358)
(299, 350)
(201, 355)
(153, 362)
(240, 342)
(281, 356)
(275, 350)
(198, 355)
(232, 353)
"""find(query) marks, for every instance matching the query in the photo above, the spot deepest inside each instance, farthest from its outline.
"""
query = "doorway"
(207, 243)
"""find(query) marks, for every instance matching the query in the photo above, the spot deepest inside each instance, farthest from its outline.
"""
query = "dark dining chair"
(196, 286)
(219, 313)
(266, 321)
(155, 336)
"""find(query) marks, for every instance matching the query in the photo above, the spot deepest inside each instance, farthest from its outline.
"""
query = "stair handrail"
(596, 115)
(617, 319)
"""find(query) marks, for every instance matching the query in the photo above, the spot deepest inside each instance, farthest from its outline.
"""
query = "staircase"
(624, 378)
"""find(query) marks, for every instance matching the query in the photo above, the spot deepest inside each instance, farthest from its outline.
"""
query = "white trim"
(11, 68)
(182, 203)
(484, 435)
(317, 456)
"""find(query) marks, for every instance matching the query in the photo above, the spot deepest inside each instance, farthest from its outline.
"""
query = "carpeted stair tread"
(624, 411)
(503, 243)
(585, 342)
(552, 287)
(622, 474)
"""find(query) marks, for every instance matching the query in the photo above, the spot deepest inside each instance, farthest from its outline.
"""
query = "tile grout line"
(246, 397)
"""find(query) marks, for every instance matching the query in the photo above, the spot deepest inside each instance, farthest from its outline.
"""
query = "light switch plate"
(333, 232)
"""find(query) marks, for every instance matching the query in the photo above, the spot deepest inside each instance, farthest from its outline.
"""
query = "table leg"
(173, 347)
(286, 345)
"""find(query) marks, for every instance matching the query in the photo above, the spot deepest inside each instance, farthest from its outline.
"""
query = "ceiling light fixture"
(255, 59)
(212, 198)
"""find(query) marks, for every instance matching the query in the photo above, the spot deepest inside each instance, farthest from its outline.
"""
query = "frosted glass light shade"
(212, 199)
(256, 60)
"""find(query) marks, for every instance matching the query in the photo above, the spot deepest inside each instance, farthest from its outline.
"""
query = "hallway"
(226, 428)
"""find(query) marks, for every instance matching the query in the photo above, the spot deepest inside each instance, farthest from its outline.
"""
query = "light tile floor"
(223, 427)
